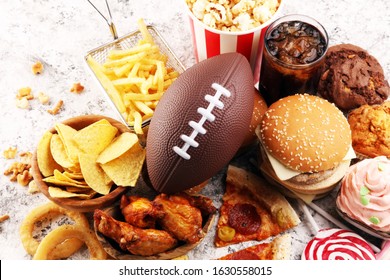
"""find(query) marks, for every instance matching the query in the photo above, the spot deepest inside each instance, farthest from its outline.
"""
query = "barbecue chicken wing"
(203, 203)
(140, 211)
(143, 242)
(181, 219)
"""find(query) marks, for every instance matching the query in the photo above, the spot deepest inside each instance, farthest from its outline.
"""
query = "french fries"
(135, 78)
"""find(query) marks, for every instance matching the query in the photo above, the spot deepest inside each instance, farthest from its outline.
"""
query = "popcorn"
(244, 21)
(199, 8)
(233, 15)
(209, 20)
(273, 5)
(262, 13)
(217, 11)
(243, 6)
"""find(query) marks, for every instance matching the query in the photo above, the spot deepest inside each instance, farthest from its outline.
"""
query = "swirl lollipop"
(335, 244)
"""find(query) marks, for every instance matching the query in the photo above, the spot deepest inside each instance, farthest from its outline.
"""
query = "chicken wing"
(140, 211)
(181, 219)
(143, 242)
(203, 203)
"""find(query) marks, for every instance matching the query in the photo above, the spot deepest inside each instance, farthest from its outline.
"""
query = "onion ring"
(50, 210)
(62, 233)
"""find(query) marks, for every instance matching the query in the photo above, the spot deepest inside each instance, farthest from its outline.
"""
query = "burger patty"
(312, 177)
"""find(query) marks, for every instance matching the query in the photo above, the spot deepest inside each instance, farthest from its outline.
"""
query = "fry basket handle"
(109, 21)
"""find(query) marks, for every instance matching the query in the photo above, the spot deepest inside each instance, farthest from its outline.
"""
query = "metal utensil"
(109, 21)
(125, 42)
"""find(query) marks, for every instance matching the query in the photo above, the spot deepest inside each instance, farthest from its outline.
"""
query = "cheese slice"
(350, 154)
(281, 171)
(290, 193)
(284, 173)
(307, 198)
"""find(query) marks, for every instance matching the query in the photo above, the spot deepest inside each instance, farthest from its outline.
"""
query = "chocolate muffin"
(351, 77)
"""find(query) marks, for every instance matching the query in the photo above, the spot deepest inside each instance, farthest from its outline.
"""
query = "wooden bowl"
(113, 249)
(87, 205)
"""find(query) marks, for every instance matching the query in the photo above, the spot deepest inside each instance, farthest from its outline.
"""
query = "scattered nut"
(22, 103)
(43, 98)
(24, 92)
(56, 108)
(24, 179)
(4, 218)
(26, 157)
(77, 88)
(10, 153)
(37, 68)
(33, 187)
(15, 169)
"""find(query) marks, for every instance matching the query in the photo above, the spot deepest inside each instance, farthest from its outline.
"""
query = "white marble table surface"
(61, 32)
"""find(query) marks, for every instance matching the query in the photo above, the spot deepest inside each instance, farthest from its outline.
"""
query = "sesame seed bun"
(305, 133)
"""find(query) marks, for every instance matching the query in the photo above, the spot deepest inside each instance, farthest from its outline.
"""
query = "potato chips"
(117, 147)
(89, 161)
(59, 153)
(46, 162)
(86, 138)
(119, 169)
(94, 175)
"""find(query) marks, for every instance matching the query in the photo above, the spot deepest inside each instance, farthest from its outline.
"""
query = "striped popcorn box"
(209, 42)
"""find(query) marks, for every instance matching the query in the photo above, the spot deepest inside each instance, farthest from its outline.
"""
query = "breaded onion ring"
(51, 210)
(60, 234)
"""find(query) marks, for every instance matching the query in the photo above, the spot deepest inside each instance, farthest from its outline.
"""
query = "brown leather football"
(200, 123)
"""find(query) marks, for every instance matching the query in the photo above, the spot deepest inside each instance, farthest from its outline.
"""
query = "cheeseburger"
(305, 144)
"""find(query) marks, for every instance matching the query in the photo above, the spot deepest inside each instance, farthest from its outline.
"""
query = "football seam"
(207, 115)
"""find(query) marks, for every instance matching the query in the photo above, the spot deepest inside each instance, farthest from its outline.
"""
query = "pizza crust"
(252, 209)
(278, 249)
(281, 247)
(264, 192)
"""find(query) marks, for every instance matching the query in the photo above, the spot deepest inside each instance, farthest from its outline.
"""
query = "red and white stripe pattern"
(211, 43)
(337, 244)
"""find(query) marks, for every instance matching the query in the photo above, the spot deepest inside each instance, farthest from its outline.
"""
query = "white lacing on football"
(207, 115)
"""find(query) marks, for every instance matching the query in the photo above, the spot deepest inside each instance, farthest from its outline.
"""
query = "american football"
(200, 123)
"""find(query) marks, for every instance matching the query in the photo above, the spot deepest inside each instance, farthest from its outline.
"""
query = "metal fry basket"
(125, 42)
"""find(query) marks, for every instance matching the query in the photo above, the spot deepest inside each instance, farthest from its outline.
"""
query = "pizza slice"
(278, 249)
(251, 210)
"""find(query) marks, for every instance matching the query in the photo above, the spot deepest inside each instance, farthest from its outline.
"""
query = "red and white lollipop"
(337, 244)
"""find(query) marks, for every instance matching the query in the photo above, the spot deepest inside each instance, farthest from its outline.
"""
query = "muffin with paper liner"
(370, 130)
(364, 197)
